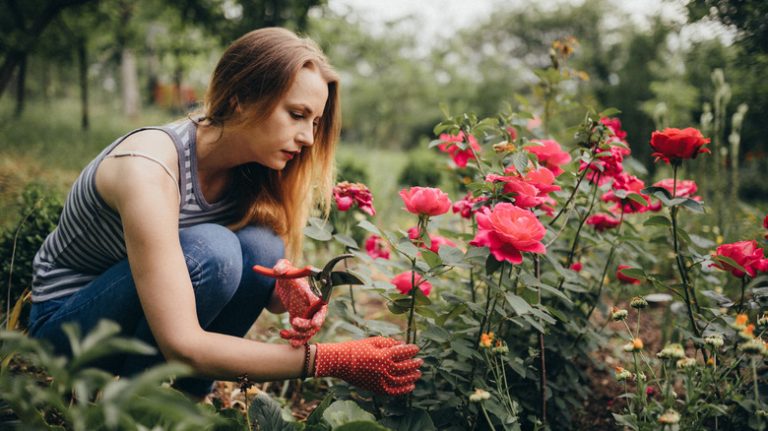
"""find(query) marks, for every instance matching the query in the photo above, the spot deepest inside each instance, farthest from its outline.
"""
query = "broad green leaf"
(345, 411)
(658, 220)
(317, 234)
(431, 258)
(361, 426)
(634, 273)
(414, 420)
(365, 224)
(609, 112)
(519, 304)
(406, 247)
(346, 240)
(450, 255)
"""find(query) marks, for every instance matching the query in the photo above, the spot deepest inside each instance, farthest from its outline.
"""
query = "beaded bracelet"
(305, 368)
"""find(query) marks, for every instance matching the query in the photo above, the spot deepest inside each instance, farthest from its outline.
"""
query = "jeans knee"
(213, 254)
(261, 246)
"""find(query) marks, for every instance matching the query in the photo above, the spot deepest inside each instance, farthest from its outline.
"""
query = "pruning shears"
(321, 281)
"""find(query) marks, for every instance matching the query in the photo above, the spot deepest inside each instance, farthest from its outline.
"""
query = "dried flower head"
(623, 374)
(686, 363)
(747, 332)
(672, 351)
(618, 314)
(754, 347)
(638, 303)
(479, 396)
(741, 321)
(669, 417)
(715, 340)
(500, 347)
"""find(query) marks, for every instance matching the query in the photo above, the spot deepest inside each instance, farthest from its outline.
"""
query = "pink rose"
(602, 221)
(464, 205)
(675, 145)
(630, 184)
(376, 247)
(346, 194)
(607, 164)
(435, 240)
(615, 125)
(403, 284)
(425, 201)
(550, 154)
(746, 254)
(685, 188)
(459, 156)
(625, 278)
(507, 231)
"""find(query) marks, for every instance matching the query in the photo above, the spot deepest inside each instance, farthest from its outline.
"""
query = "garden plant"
(509, 276)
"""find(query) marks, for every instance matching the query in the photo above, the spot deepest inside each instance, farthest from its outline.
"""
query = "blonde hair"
(255, 72)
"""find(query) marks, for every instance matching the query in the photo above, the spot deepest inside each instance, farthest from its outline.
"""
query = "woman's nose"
(306, 136)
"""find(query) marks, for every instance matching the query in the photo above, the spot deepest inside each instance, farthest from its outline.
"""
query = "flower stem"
(411, 337)
(681, 265)
(570, 198)
(542, 351)
(743, 288)
(485, 413)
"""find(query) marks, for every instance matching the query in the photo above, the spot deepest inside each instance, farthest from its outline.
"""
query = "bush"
(39, 211)
(423, 169)
(352, 171)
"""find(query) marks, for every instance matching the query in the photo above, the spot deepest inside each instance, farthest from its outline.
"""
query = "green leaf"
(266, 412)
(317, 233)
(361, 426)
(557, 293)
(431, 258)
(520, 161)
(609, 112)
(450, 315)
(317, 414)
(658, 220)
(437, 333)
(406, 247)
(491, 265)
(727, 261)
(414, 420)
(450, 255)
(365, 224)
(426, 312)
(345, 411)
(346, 240)
(638, 199)
(693, 205)
(519, 304)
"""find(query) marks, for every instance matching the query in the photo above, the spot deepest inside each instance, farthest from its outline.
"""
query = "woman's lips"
(289, 154)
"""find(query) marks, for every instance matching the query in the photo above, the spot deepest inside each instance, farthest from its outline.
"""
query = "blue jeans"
(229, 296)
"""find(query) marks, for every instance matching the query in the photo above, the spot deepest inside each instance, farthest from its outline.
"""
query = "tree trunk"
(130, 84)
(30, 35)
(82, 60)
(21, 77)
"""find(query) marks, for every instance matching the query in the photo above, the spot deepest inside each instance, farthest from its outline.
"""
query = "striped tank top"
(89, 237)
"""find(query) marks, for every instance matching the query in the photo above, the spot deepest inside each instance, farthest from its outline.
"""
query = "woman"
(160, 231)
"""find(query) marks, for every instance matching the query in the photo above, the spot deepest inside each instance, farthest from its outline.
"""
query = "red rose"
(630, 184)
(376, 247)
(508, 231)
(576, 266)
(550, 154)
(602, 221)
(607, 164)
(675, 145)
(346, 194)
(425, 201)
(625, 278)
(746, 254)
(403, 284)
(459, 156)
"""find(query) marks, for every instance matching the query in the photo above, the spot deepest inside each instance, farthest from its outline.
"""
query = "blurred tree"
(21, 24)
(750, 17)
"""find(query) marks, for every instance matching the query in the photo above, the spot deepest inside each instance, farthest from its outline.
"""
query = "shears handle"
(290, 274)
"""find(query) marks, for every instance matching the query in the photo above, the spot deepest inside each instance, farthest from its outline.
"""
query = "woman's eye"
(297, 115)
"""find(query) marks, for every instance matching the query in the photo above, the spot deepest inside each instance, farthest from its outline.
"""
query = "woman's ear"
(234, 104)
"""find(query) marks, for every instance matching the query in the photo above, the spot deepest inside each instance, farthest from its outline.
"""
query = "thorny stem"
(743, 287)
(351, 292)
(542, 355)
(573, 193)
(681, 265)
(411, 336)
(582, 221)
(605, 268)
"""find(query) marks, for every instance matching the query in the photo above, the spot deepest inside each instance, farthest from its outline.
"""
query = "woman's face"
(290, 127)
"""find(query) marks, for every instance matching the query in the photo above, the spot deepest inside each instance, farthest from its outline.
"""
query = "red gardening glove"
(306, 312)
(382, 365)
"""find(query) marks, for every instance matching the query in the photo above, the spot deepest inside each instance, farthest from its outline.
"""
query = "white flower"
(715, 340)
(672, 351)
(669, 417)
(479, 396)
